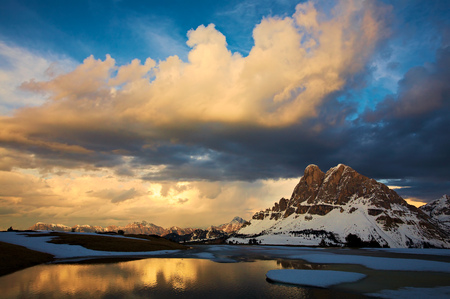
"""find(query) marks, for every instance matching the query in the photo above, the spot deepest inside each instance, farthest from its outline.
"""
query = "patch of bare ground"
(115, 244)
(15, 257)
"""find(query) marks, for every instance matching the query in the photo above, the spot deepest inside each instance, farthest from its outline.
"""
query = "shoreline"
(26, 251)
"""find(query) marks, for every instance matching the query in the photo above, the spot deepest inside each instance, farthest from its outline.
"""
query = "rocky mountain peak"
(308, 187)
(237, 219)
(338, 185)
(342, 202)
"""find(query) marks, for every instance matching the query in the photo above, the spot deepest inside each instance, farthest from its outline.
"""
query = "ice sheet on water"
(409, 292)
(377, 263)
(204, 255)
(425, 251)
(315, 278)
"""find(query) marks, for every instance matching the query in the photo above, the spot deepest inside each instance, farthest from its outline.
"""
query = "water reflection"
(155, 278)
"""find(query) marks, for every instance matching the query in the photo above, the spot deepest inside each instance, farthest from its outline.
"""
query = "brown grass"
(15, 257)
(108, 243)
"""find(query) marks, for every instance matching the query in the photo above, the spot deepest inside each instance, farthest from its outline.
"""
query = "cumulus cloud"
(294, 64)
(156, 112)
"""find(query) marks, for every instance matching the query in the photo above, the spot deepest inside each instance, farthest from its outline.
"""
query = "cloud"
(18, 65)
(116, 195)
(294, 64)
(218, 128)
(429, 82)
(405, 136)
(183, 200)
(168, 113)
(97, 197)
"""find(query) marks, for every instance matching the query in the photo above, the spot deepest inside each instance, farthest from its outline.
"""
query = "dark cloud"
(406, 135)
(422, 188)
(423, 90)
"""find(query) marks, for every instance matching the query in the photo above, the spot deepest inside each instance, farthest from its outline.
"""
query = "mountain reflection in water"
(152, 278)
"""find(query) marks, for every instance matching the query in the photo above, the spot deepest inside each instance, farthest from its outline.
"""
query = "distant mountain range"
(147, 228)
(342, 207)
(439, 210)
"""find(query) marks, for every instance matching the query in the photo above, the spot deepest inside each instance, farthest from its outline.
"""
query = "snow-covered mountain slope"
(343, 207)
(51, 226)
(439, 210)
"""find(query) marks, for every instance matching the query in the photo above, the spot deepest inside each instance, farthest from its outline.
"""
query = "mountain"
(231, 226)
(147, 228)
(178, 230)
(222, 231)
(87, 228)
(439, 210)
(51, 226)
(143, 227)
(342, 207)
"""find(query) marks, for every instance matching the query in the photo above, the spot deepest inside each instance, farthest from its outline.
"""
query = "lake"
(185, 276)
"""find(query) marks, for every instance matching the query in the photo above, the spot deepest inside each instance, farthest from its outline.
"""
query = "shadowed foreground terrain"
(15, 257)
(106, 243)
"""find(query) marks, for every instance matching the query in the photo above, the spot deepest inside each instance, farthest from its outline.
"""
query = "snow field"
(356, 221)
(65, 250)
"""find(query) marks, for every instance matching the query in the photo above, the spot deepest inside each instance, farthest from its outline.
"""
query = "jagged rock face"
(337, 187)
(327, 207)
(439, 210)
(319, 193)
(309, 185)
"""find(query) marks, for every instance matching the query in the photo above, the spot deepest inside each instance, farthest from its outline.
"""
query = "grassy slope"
(107, 243)
(15, 257)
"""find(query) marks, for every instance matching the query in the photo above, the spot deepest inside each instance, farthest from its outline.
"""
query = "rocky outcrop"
(343, 203)
(338, 186)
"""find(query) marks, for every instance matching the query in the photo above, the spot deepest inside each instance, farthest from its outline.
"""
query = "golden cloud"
(295, 63)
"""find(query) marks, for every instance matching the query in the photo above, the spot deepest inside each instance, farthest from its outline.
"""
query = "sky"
(188, 113)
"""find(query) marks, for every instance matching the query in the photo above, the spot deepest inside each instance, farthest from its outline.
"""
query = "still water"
(156, 278)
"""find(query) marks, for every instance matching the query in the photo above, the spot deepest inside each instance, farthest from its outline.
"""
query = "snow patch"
(65, 250)
(376, 263)
(314, 278)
